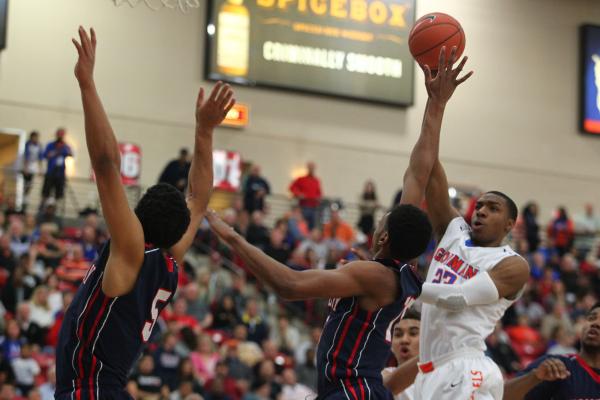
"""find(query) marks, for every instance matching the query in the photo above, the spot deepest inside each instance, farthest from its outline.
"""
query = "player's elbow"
(289, 290)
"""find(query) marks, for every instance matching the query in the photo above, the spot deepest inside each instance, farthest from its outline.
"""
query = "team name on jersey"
(455, 263)
(333, 303)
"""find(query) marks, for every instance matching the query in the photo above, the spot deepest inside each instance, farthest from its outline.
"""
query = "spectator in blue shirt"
(55, 154)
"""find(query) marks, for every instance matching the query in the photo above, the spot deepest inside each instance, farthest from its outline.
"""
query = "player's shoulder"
(458, 226)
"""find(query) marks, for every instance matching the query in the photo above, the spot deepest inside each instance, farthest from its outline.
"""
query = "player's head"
(164, 215)
(402, 234)
(494, 217)
(590, 334)
(405, 337)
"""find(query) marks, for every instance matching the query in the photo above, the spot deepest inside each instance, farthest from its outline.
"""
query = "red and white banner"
(227, 170)
(131, 164)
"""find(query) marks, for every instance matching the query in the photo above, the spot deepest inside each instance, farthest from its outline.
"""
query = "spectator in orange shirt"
(338, 230)
(72, 269)
(307, 189)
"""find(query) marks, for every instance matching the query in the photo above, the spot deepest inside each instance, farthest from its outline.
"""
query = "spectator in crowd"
(41, 313)
(307, 190)
(257, 233)
(32, 163)
(167, 360)
(277, 248)
(286, 336)
(338, 230)
(47, 389)
(222, 385)
(55, 154)
(292, 389)
(307, 371)
(187, 373)
(18, 289)
(225, 316)
(368, 205)
(315, 243)
(197, 304)
(19, 240)
(89, 242)
(256, 189)
(72, 268)
(563, 340)
(149, 384)
(258, 330)
(297, 226)
(531, 229)
(26, 369)
(499, 349)
(7, 255)
(204, 359)
(12, 341)
(176, 171)
(265, 372)
(587, 227)
(561, 231)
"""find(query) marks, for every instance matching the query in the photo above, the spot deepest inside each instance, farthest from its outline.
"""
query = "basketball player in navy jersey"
(574, 377)
(366, 298)
(135, 276)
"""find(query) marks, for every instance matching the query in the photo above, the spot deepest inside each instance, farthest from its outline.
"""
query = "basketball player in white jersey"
(472, 278)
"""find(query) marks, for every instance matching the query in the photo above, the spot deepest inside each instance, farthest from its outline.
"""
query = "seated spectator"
(52, 335)
(237, 368)
(47, 389)
(563, 340)
(558, 317)
(19, 288)
(297, 225)
(7, 255)
(258, 330)
(500, 350)
(291, 389)
(277, 248)
(41, 313)
(184, 390)
(222, 384)
(265, 372)
(72, 269)
(248, 352)
(187, 373)
(26, 369)
(11, 343)
(89, 243)
(286, 337)
(181, 318)
(204, 358)
(149, 384)
(167, 361)
(257, 233)
(307, 371)
(197, 304)
(317, 245)
(19, 241)
(225, 316)
(49, 250)
(338, 230)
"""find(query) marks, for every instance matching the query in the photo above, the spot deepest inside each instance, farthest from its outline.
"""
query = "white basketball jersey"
(456, 260)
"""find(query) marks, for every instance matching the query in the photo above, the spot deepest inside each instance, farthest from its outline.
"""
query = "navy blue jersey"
(583, 384)
(101, 337)
(355, 343)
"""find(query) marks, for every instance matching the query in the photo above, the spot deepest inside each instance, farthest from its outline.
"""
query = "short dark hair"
(164, 215)
(597, 305)
(513, 210)
(411, 313)
(409, 232)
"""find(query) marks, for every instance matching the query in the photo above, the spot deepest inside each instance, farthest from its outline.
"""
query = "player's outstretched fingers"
(442, 61)
(215, 91)
(451, 60)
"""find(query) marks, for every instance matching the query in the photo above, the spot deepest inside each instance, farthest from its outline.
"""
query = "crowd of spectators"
(225, 336)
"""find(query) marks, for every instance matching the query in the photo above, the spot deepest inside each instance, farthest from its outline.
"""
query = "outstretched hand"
(441, 87)
(551, 369)
(212, 112)
(218, 226)
(86, 48)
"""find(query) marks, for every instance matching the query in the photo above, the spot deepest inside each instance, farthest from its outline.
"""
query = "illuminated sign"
(237, 117)
(349, 48)
(590, 79)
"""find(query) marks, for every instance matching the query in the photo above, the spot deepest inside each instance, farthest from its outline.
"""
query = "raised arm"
(439, 209)
(127, 237)
(425, 152)
(209, 114)
(359, 278)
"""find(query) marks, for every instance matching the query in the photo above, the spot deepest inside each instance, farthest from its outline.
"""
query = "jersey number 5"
(161, 296)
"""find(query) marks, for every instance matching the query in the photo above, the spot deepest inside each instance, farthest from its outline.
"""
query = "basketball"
(430, 33)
